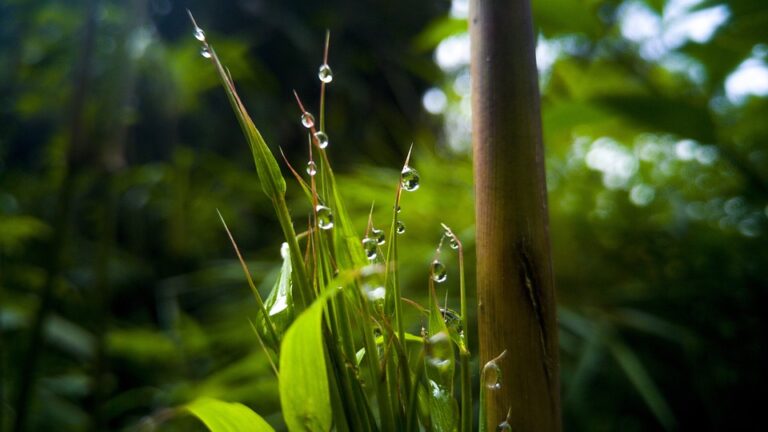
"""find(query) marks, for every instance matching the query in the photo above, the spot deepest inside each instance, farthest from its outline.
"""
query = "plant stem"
(516, 296)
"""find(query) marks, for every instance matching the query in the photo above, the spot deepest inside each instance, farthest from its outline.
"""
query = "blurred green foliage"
(658, 183)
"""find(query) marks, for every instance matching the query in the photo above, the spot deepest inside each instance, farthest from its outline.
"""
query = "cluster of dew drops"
(409, 181)
(437, 268)
(324, 214)
(308, 120)
(199, 34)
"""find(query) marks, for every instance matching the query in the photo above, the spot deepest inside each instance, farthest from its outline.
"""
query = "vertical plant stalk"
(515, 288)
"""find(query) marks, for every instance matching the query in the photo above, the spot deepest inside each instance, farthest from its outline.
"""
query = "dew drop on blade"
(379, 236)
(311, 168)
(325, 74)
(453, 242)
(439, 273)
(284, 250)
(400, 228)
(199, 34)
(492, 376)
(324, 217)
(452, 319)
(376, 294)
(409, 179)
(321, 137)
(369, 246)
(205, 52)
(439, 351)
(307, 120)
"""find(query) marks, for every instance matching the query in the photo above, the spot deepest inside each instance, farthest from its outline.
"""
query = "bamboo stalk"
(516, 296)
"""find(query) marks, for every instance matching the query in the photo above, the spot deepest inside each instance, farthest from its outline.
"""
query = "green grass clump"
(333, 324)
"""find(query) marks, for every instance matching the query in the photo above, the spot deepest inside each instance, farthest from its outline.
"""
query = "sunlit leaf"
(221, 416)
(304, 391)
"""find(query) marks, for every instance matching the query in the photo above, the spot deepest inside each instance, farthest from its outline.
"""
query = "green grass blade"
(272, 181)
(268, 324)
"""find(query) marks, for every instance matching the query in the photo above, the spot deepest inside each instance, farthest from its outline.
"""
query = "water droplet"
(199, 34)
(311, 168)
(397, 210)
(377, 294)
(400, 227)
(409, 178)
(439, 353)
(504, 427)
(492, 376)
(320, 136)
(308, 120)
(324, 217)
(369, 246)
(452, 319)
(439, 273)
(325, 74)
(453, 242)
(284, 250)
(205, 52)
(379, 236)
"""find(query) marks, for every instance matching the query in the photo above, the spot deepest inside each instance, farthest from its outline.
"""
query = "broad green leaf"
(219, 416)
(304, 391)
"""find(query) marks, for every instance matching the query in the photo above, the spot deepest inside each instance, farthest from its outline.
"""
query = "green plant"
(331, 279)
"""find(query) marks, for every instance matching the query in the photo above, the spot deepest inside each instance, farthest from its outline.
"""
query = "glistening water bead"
(322, 139)
(324, 217)
(409, 179)
(325, 74)
(205, 52)
(379, 236)
(439, 273)
(492, 376)
(369, 246)
(199, 34)
(453, 242)
(307, 120)
(439, 352)
(400, 229)
(311, 168)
